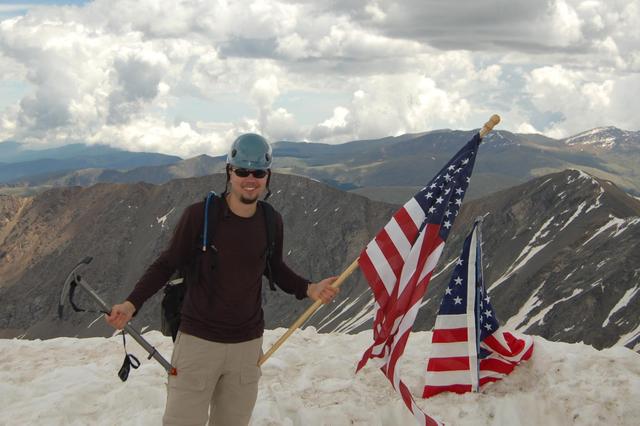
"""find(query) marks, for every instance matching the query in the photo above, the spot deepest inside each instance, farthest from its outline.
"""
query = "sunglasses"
(243, 173)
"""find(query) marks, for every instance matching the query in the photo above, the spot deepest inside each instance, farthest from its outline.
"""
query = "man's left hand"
(322, 290)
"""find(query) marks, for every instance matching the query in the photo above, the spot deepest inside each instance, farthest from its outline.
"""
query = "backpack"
(176, 288)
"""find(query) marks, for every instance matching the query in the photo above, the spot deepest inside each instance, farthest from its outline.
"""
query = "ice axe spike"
(74, 279)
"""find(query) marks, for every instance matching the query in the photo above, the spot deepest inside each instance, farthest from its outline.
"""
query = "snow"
(519, 318)
(620, 224)
(527, 254)
(310, 380)
(366, 314)
(356, 319)
(629, 337)
(630, 221)
(598, 202)
(576, 214)
(581, 175)
(543, 183)
(622, 303)
(539, 317)
(593, 137)
(162, 220)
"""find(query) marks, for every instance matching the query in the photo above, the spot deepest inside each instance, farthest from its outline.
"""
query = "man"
(219, 341)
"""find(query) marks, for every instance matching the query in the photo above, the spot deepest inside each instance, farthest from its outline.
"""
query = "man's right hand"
(120, 315)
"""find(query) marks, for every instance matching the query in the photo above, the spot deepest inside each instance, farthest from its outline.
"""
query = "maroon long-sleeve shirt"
(225, 305)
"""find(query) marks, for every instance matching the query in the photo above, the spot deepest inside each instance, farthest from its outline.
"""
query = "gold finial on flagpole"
(488, 126)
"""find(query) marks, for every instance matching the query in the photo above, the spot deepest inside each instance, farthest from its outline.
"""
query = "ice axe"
(74, 280)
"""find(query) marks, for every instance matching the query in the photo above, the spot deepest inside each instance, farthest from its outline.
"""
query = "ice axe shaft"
(151, 350)
(74, 279)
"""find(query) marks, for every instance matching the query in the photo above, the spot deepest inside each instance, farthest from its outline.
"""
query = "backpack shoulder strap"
(210, 219)
(204, 240)
(270, 224)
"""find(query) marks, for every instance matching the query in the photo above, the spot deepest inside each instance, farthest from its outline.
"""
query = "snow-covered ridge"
(582, 175)
(603, 137)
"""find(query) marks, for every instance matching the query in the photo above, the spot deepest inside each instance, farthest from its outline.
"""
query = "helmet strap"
(268, 190)
(226, 184)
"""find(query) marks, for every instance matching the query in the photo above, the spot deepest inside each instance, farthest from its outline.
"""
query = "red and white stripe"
(398, 264)
(452, 363)
(509, 349)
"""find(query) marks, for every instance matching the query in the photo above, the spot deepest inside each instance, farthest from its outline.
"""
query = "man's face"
(245, 185)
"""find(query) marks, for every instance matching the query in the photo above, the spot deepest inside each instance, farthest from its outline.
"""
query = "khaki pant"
(215, 381)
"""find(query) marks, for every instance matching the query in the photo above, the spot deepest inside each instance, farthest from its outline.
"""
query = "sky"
(311, 381)
(186, 77)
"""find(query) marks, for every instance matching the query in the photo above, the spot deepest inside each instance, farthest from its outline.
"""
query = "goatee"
(245, 200)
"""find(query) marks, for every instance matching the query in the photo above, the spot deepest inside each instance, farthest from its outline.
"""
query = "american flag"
(399, 261)
(468, 347)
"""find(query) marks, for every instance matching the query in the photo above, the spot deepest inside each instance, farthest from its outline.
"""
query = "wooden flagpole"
(337, 283)
(488, 126)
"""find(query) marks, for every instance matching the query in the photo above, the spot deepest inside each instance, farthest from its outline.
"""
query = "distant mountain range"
(18, 164)
(392, 169)
(560, 253)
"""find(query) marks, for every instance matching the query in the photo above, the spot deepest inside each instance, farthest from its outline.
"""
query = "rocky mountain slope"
(560, 253)
(125, 226)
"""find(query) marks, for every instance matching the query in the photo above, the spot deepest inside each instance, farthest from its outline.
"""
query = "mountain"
(602, 139)
(18, 162)
(380, 168)
(391, 169)
(15, 152)
(193, 167)
(560, 253)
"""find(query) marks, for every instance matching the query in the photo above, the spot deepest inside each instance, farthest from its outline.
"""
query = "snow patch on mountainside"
(534, 301)
(527, 253)
(600, 136)
(622, 303)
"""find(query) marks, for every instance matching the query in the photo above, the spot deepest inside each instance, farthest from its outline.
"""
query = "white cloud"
(526, 128)
(280, 124)
(293, 46)
(565, 24)
(8, 123)
(350, 41)
(584, 101)
(110, 70)
(339, 125)
(375, 12)
(392, 105)
(339, 118)
(265, 91)
(152, 134)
